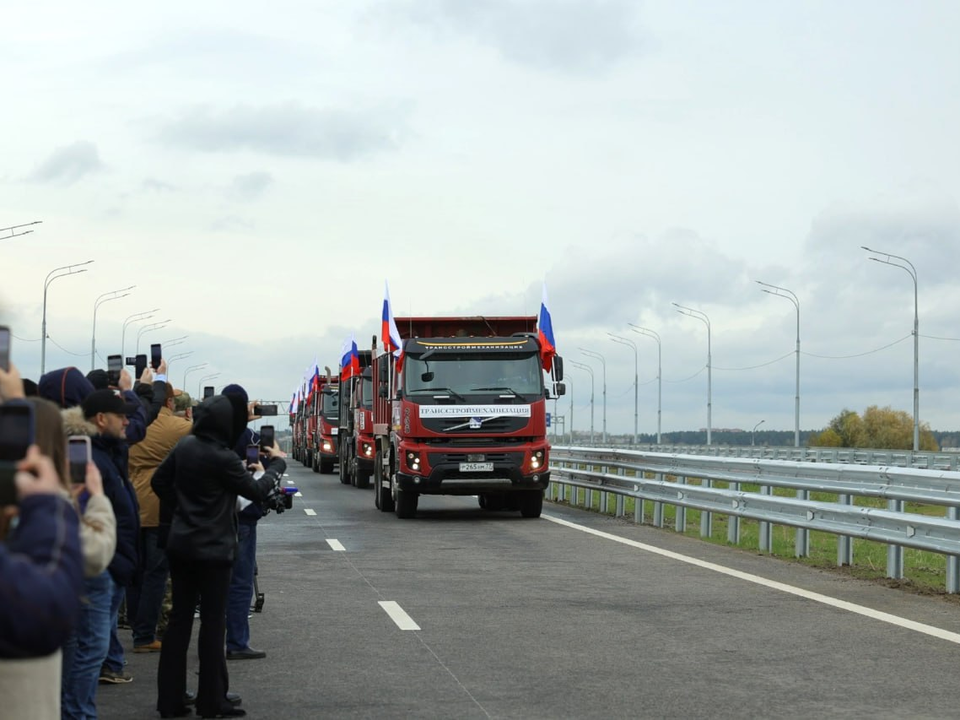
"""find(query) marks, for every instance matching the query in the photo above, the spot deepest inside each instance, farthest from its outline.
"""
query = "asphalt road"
(539, 619)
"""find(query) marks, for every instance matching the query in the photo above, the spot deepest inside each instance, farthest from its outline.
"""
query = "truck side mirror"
(559, 389)
(557, 369)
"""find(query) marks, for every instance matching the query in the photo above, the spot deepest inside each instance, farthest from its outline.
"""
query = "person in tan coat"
(144, 602)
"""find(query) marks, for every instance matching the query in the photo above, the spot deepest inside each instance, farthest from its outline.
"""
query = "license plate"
(476, 467)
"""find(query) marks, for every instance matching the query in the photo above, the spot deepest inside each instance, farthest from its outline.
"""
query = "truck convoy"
(356, 421)
(316, 424)
(461, 410)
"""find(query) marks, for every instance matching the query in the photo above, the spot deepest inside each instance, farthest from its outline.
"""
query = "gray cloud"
(288, 129)
(68, 164)
(571, 36)
(250, 186)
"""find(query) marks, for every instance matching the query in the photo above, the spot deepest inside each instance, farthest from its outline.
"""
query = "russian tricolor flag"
(388, 331)
(349, 359)
(548, 345)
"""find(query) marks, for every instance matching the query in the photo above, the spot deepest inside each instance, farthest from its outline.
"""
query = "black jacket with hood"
(199, 481)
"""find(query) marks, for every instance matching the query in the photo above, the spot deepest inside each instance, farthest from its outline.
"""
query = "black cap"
(99, 379)
(106, 401)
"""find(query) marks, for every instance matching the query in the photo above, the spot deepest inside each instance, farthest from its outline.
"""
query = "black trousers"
(211, 582)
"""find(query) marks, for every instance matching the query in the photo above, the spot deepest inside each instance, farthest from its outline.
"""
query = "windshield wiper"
(439, 391)
(507, 389)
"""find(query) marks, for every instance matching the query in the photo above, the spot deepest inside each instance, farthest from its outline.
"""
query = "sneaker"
(114, 678)
(148, 647)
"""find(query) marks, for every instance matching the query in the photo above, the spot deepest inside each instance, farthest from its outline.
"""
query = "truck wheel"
(382, 497)
(363, 478)
(325, 466)
(406, 503)
(344, 468)
(315, 462)
(531, 503)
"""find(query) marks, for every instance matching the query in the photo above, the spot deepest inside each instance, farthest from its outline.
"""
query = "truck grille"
(514, 458)
(494, 425)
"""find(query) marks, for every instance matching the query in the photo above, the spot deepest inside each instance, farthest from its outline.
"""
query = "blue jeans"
(79, 691)
(114, 660)
(144, 602)
(241, 588)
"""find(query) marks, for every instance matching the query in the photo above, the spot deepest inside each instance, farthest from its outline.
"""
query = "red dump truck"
(463, 412)
(356, 423)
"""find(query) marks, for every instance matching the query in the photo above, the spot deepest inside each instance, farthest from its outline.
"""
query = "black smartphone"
(140, 364)
(4, 348)
(266, 436)
(156, 355)
(114, 366)
(207, 391)
(16, 430)
(8, 485)
(262, 410)
(78, 455)
(253, 454)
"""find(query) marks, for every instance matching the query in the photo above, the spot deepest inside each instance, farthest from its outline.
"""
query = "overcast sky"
(258, 174)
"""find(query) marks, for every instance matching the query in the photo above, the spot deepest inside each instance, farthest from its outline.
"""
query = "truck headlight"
(413, 460)
(536, 460)
(367, 449)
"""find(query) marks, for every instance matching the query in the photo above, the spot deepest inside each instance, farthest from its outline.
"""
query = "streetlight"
(912, 271)
(776, 291)
(100, 301)
(12, 228)
(753, 436)
(636, 377)
(136, 317)
(570, 385)
(603, 362)
(147, 328)
(589, 370)
(51, 276)
(181, 356)
(702, 317)
(655, 336)
(202, 380)
(176, 341)
(190, 370)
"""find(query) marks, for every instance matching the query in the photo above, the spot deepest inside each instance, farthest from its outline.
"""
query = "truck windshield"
(467, 374)
(331, 405)
(366, 393)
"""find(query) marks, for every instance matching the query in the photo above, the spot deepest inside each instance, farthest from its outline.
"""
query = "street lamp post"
(202, 380)
(105, 298)
(789, 295)
(570, 386)
(147, 328)
(190, 370)
(753, 436)
(702, 317)
(636, 377)
(13, 228)
(589, 370)
(603, 363)
(130, 319)
(181, 356)
(51, 276)
(912, 271)
(655, 336)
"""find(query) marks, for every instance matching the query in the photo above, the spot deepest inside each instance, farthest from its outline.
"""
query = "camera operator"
(198, 484)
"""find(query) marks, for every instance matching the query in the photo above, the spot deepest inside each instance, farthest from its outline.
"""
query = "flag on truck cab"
(548, 346)
(389, 333)
(349, 358)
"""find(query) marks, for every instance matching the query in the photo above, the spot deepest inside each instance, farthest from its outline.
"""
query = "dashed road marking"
(298, 494)
(335, 545)
(310, 511)
(398, 615)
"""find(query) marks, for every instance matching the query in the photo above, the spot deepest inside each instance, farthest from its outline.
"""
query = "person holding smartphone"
(198, 484)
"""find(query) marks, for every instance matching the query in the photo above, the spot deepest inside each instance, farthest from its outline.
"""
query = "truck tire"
(315, 461)
(325, 466)
(382, 497)
(531, 503)
(363, 478)
(406, 504)
(344, 469)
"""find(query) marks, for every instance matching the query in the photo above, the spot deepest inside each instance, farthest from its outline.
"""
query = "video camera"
(280, 498)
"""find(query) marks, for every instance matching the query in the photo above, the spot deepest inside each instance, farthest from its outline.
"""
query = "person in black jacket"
(198, 484)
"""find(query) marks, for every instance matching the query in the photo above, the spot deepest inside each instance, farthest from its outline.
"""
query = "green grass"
(924, 571)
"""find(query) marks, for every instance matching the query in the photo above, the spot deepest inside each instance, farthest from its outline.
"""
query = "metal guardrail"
(664, 479)
(851, 456)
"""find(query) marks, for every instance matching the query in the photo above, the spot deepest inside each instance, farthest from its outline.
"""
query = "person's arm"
(11, 386)
(98, 526)
(240, 481)
(162, 484)
(41, 566)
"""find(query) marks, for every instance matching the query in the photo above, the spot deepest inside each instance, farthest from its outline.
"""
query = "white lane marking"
(398, 615)
(773, 584)
(289, 482)
(298, 494)
(310, 511)
(335, 545)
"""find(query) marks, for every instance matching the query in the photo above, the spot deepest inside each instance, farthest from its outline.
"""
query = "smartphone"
(4, 348)
(114, 366)
(207, 391)
(8, 485)
(78, 455)
(156, 356)
(266, 436)
(253, 454)
(262, 410)
(16, 430)
(140, 365)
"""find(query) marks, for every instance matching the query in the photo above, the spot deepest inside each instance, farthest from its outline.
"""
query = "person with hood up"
(198, 484)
